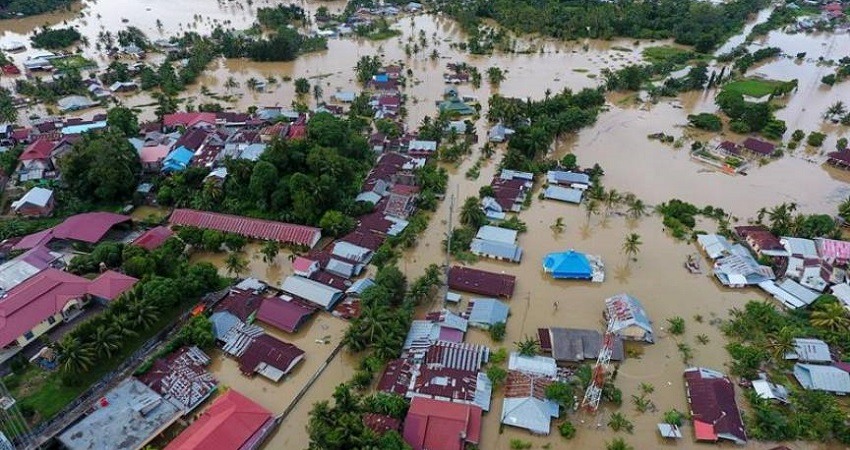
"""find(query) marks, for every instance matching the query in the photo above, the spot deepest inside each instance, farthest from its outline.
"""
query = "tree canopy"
(101, 167)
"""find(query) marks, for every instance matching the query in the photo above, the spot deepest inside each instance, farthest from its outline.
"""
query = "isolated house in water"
(628, 318)
(715, 412)
(573, 265)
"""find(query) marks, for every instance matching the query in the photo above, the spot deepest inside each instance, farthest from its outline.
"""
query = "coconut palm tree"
(636, 209)
(270, 250)
(528, 346)
(844, 209)
(618, 444)
(122, 325)
(631, 246)
(612, 200)
(596, 192)
(317, 93)
(142, 314)
(471, 213)
(836, 109)
(105, 341)
(235, 264)
(619, 422)
(831, 316)
(592, 208)
(558, 226)
(74, 356)
(781, 343)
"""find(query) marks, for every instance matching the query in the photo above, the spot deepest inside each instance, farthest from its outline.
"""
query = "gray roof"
(368, 196)
(37, 196)
(714, 245)
(789, 293)
(74, 102)
(498, 234)
(799, 246)
(508, 174)
(498, 250)
(222, 322)
(359, 286)
(575, 345)
(810, 350)
(483, 391)
(529, 413)
(488, 311)
(251, 284)
(536, 365)
(741, 269)
(563, 194)
(340, 268)
(769, 391)
(312, 291)
(345, 96)
(134, 414)
(822, 378)
(351, 252)
(563, 177)
(627, 313)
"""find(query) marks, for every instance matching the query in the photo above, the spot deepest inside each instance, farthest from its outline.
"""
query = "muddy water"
(272, 273)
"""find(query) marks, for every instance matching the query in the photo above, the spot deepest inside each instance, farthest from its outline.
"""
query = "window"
(51, 320)
(29, 336)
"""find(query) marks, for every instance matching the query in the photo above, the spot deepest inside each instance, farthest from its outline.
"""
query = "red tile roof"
(153, 238)
(110, 285)
(252, 228)
(481, 282)
(435, 424)
(40, 149)
(715, 412)
(266, 349)
(188, 120)
(228, 424)
(365, 239)
(33, 301)
(286, 315)
(302, 264)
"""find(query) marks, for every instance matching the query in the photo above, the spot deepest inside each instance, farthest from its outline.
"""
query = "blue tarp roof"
(569, 264)
(381, 78)
(177, 160)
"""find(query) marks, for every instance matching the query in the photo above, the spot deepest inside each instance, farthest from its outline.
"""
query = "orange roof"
(227, 424)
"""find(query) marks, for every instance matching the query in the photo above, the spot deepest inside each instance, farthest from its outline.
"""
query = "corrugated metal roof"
(497, 250)
(540, 365)
(497, 234)
(529, 413)
(488, 311)
(457, 355)
(252, 228)
(714, 245)
(810, 350)
(627, 311)
(562, 177)
(822, 378)
(312, 291)
(563, 194)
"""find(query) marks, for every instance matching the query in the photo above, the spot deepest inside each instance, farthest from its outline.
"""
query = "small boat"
(693, 265)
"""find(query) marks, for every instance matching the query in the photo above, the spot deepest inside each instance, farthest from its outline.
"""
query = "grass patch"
(380, 35)
(77, 62)
(664, 53)
(753, 87)
(44, 394)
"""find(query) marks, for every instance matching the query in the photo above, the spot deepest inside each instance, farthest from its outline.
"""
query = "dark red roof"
(241, 304)
(841, 155)
(713, 405)
(187, 119)
(730, 147)
(40, 149)
(436, 424)
(286, 315)
(192, 139)
(481, 282)
(380, 423)
(758, 146)
(252, 228)
(153, 238)
(365, 239)
(446, 383)
(396, 377)
(329, 279)
(760, 237)
(231, 422)
(265, 349)
(110, 285)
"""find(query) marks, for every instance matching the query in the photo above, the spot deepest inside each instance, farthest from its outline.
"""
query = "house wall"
(35, 211)
(40, 329)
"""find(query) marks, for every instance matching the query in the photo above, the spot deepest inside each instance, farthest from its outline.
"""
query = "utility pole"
(448, 245)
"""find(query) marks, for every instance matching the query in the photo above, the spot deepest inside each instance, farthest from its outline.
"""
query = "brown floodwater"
(653, 171)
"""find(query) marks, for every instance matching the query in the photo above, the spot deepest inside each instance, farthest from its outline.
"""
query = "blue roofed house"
(178, 160)
(485, 312)
(568, 265)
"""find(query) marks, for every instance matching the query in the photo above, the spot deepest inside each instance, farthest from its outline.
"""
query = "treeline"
(293, 181)
(690, 22)
(284, 44)
(70, 83)
(14, 8)
(750, 117)
(538, 123)
(55, 38)
(280, 16)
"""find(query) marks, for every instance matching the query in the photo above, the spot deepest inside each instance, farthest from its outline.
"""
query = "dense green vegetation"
(13, 8)
(8, 112)
(753, 117)
(283, 44)
(705, 121)
(295, 181)
(55, 38)
(70, 83)
(340, 426)
(781, 16)
(760, 336)
(690, 22)
(279, 16)
(680, 217)
(782, 221)
(538, 123)
(101, 168)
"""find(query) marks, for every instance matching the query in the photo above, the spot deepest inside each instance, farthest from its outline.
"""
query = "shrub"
(497, 331)
(519, 444)
(739, 127)
(567, 430)
(828, 80)
(706, 121)
(816, 139)
(798, 135)
(677, 325)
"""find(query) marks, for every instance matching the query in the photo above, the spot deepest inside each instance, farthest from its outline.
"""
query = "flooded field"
(271, 273)
(653, 171)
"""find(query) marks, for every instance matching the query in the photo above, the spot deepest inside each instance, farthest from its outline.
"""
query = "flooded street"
(654, 172)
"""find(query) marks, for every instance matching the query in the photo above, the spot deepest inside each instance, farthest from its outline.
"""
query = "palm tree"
(270, 250)
(122, 326)
(105, 341)
(317, 93)
(612, 199)
(74, 356)
(528, 346)
(143, 314)
(618, 444)
(631, 246)
(235, 264)
(619, 422)
(781, 344)
(231, 83)
(596, 192)
(592, 208)
(636, 209)
(835, 109)
(471, 213)
(558, 226)
(831, 316)
(844, 209)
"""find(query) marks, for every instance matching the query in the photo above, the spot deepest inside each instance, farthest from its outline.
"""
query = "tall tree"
(471, 213)
(74, 356)
(631, 246)
(124, 120)
(8, 112)
(101, 168)
(235, 264)
(270, 250)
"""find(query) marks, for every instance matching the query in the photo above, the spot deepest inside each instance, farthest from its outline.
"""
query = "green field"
(665, 53)
(73, 62)
(753, 87)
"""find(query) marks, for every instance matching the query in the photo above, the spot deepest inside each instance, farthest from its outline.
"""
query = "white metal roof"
(312, 291)
(529, 413)
(822, 378)
(37, 196)
(714, 245)
(540, 365)
(491, 233)
(810, 350)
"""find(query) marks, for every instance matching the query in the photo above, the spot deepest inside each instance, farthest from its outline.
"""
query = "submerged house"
(628, 318)
(711, 396)
(573, 265)
(740, 269)
(714, 245)
(572, 345)
(486, 312)
(815, 377)
(481, 282)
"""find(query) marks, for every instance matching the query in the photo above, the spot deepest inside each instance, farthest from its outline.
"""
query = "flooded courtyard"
(654, 172)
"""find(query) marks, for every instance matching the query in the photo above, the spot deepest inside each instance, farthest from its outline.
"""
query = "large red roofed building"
(232, 422)
(436, 424)
(266, 230)
(282, 314)
(481, 282)
(89, 228)
(715, 413)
